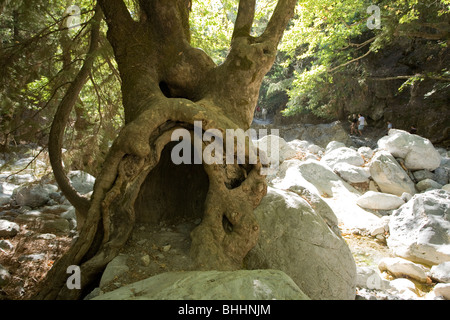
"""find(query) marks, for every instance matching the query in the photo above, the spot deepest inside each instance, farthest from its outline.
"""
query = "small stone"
(5, 276)
(6, 245)
(146, 260)
(166, 248)
(46, 236)
(32, 257)
(406, 196)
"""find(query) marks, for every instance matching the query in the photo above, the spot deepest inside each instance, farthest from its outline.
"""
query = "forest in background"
(386, 59)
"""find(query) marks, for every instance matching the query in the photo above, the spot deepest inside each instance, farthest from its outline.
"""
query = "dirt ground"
(152, 250)
(32, 256)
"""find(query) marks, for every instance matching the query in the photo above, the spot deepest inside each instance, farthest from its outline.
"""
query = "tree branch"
(117, 17)
(244, 20)
(349, 62)
(436, 78)
(61, 118)
(278, 22)
(358, 45)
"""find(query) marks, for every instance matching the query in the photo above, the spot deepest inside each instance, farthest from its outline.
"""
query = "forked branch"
(244, 20)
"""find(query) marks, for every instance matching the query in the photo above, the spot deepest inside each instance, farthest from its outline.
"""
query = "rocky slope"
(346, 219)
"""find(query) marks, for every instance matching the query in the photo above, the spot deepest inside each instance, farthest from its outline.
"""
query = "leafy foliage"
(318, 62)
(339, 34)
(39, 56)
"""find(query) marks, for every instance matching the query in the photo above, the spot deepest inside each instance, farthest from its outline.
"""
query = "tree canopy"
(41, 53)
(328, 38)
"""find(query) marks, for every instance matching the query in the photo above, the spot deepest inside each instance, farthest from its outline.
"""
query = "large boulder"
(332, 145)
(211, 285)
(320, 180)
(312, 174)
(269, 143)
(379, 201)
(8, 228)
(389, 175)
(297, 240)
(441, 272)
(442, 175)
(81, 181)
(343, 155)
(351, 173)
(420, 229)
(33, 195)
(4, 199)
(369, 278)
(418, 152)
(401, 268)
(115, 268)
(428, 184)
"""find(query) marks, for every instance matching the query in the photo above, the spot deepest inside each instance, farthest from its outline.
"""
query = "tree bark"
(81, 204)
(167, 85)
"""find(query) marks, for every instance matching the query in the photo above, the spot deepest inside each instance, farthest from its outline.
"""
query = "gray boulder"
(423, 174)
(81, 181)
(442, 175)
(389, 175)
(402, 268)
(404, 289)
(4, 199)
(115, 268)
(211, 285)
(366, 152)
(379, 201)
(297, 240)
(8, 228)
(342, 155)
(332, 145)
(320, 180)
(428, 184)
(6, 245)
(420, 229)
(418, 152)
(33, 195)
(369, 278)
(32, 257)
(284, 151)
(441, 272)
(351, 173)
(57, 225)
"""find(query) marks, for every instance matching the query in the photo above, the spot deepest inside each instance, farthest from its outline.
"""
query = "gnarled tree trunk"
(167, 85)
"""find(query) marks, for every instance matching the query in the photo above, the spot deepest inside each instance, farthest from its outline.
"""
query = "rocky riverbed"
(348, 219)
